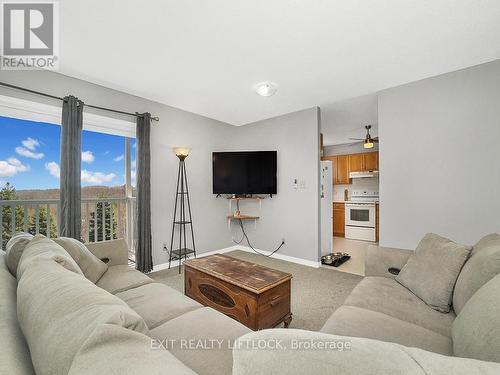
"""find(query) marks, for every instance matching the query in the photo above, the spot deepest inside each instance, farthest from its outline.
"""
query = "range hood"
(367, 174)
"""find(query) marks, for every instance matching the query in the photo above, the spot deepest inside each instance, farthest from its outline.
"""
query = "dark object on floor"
(394, 271)
(335, 259)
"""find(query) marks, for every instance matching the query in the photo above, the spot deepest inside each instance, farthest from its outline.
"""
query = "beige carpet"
(316, 292)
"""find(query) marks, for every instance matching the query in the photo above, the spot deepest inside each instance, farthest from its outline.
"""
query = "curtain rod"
(156, 118)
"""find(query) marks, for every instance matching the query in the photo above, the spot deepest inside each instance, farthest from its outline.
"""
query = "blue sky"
(29, 156)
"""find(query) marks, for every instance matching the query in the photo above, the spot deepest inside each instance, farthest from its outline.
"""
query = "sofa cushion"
(387, 296)
(58, 310)
(364, 357)
(206, 326)
(92, 267)
(14, 354)
(482, 266)
(112, 349)
(476, 331)
(120, 278)
(114, 252)
(14, 249)
(42, 247)
(432, 271)
(357, 322)
(157, 303)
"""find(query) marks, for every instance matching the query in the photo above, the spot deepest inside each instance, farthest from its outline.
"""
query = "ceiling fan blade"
(357, 139)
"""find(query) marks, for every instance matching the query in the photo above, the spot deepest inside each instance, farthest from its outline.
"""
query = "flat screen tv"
(244, 172)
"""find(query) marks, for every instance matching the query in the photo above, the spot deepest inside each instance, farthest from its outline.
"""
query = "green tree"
(109, 231)
(8, 193)
(43, 215)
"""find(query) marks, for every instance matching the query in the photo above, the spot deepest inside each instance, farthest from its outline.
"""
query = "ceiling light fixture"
(266, 88)
(368, 143)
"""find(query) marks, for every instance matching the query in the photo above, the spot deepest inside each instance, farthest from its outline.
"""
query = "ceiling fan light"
(368, 144)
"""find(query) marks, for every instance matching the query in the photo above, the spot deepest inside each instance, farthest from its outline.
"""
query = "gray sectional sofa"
(63, 311)
(54, 320)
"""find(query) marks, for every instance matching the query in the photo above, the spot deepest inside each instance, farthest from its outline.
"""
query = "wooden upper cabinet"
(356, 163)
(342, 170)
(343, 164)
(370, 161)
(367, 161)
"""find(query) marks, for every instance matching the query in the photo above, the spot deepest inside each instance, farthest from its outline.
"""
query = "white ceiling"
(205, 56)
(347, 119)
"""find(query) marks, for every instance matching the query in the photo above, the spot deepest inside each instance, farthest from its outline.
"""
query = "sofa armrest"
(298, 352)
(380, 259)
(113, 253)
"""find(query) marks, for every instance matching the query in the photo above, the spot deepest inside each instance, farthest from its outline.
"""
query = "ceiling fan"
(368, 141)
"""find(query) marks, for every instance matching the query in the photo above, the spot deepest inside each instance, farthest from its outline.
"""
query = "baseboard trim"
(304, 262)
(288, 258)
(164, 266)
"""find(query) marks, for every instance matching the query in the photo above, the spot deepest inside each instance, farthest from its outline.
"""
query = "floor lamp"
(182, 217)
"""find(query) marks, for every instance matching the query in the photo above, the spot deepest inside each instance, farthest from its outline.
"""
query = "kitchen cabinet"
(356, 163)
(340, 169)
(338, 219)
(342, 165)
(367, 161)
(370, 160)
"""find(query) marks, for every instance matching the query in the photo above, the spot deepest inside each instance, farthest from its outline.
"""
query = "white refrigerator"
(326, 194)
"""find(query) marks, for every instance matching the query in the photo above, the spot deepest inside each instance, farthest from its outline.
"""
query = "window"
(30, 172)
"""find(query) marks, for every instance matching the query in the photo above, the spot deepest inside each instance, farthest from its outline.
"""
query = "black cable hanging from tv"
(245, 236)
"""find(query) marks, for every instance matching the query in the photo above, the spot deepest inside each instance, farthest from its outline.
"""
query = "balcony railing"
(103, 219)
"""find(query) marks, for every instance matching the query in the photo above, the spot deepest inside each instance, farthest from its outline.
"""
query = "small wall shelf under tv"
(243, 217)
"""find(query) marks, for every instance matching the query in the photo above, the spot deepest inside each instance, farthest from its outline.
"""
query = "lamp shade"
(368, 144)
(182, 151)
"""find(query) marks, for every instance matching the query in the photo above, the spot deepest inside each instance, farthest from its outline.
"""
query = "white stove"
(364, 196)
(360, 215)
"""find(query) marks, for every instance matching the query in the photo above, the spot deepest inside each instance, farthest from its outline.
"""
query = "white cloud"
(53, 169)
(30, 143)
(88, 157)
(119, 158)
(29, 154)
(97, 178)
(12, 166)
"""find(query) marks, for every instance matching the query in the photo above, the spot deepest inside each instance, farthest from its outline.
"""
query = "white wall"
(292, 214)
(439, 157)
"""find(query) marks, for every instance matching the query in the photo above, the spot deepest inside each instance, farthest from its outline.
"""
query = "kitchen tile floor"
(356, 249)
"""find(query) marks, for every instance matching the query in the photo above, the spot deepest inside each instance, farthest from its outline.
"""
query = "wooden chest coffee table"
(254, 295)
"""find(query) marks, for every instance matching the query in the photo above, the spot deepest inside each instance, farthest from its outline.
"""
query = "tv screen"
(245, 172)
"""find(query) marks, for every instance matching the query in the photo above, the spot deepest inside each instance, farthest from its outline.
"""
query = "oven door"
(360, 215)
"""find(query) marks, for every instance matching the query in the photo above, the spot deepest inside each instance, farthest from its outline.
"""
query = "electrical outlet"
(165, 248)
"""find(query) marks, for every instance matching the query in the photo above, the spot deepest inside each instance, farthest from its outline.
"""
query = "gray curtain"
(143, 248)
(70, 215)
